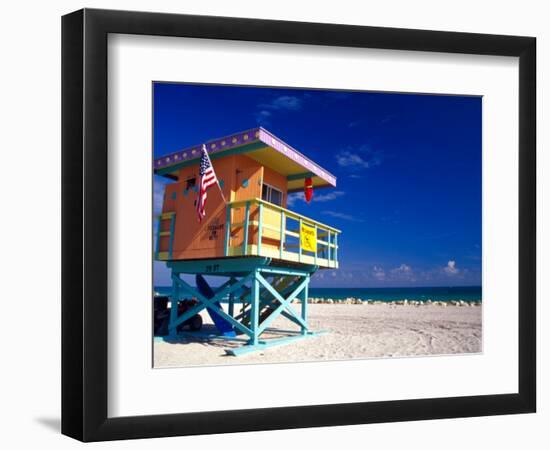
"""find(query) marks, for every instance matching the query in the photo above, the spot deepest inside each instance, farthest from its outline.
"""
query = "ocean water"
(441, 294)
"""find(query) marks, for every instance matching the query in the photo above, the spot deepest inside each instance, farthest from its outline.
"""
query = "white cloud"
(284, 102)
(291, 199)
(362, 158)
(404, 273)
(379, 273)
(343, 216)
(450, 268)
(296, 196)
(403, 268)
(263, 117)
(349, 159)
(327, 197)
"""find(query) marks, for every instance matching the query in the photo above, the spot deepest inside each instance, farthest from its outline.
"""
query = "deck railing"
(259, 228)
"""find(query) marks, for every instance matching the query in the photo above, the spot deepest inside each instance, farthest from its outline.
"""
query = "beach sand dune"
(354, 332)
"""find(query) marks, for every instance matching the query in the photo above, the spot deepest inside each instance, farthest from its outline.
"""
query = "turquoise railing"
(288, 228)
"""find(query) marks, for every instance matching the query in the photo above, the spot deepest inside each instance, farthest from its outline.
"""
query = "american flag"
(207, 179)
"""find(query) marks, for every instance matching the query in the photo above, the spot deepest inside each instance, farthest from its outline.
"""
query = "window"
(190, 183)
(272, 195)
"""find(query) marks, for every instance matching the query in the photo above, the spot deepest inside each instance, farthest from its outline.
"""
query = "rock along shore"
(404, 302)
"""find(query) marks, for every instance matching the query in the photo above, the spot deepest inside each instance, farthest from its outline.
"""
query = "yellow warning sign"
(308, 238)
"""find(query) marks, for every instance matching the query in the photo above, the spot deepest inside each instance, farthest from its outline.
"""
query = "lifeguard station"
(266, 252)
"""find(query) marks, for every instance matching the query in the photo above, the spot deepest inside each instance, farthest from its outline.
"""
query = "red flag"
(308, 189)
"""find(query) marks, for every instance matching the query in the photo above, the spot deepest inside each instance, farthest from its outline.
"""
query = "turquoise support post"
(246, 223)
(227, 228)
(260, 223)
(231, 305)
(172, 327)
(305, 295)
(231, 300)
(254, 313)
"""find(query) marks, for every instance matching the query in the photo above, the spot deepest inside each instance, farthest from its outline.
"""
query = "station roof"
(260, 145)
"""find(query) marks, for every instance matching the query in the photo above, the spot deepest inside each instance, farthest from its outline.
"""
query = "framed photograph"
(273, 224)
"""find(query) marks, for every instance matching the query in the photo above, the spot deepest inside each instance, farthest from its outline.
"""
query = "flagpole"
(217, 179)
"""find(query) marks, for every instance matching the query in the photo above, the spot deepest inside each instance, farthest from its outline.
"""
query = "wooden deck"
(259, 228)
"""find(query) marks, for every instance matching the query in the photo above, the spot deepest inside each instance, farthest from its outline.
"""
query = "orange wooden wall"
(242, 179)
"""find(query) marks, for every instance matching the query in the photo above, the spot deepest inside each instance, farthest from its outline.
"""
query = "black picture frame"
(84, 224)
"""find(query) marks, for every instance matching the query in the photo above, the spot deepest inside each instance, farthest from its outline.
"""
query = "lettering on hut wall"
(215, 229)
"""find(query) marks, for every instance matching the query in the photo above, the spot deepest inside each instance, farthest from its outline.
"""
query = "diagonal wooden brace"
(211, 303)
(197, 308)
(284, 303)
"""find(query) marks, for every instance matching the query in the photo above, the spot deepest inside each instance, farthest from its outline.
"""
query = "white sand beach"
(354, 331)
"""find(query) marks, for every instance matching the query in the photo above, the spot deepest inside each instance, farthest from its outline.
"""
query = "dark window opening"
(272, 195)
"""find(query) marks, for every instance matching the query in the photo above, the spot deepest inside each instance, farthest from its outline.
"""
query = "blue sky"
(408, 195)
